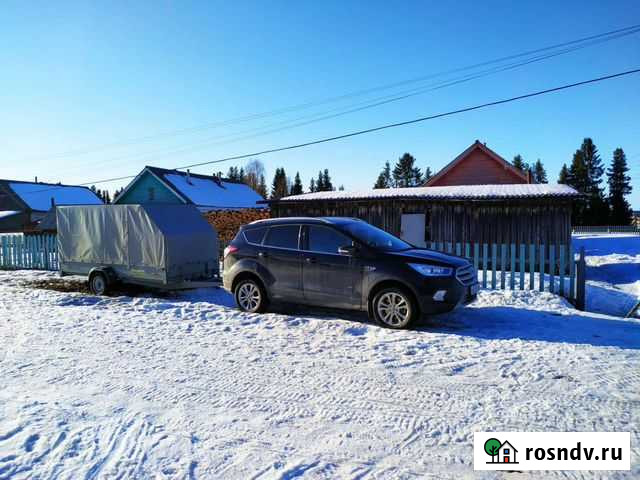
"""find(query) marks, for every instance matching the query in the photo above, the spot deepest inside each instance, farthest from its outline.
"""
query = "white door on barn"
(412, 228)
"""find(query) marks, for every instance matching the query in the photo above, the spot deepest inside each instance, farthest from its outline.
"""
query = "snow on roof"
(207, 194)
(8, 213)
(38, 195)
(463, 192)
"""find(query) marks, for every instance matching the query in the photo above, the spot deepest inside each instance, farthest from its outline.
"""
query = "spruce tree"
(320, 182)
(312, 185)
(297, 185)
(427, 173)
(519, 163)
(405, 174)
(539, 173)
(279, 186)
(241, 177)
(326, 181)
(262, 186)
(384, 179)
(619, 187)
(564, 175)
(597, 205)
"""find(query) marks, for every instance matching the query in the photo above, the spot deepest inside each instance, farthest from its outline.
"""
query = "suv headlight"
(431, 270)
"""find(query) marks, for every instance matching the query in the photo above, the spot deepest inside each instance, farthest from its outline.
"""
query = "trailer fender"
(108, 272)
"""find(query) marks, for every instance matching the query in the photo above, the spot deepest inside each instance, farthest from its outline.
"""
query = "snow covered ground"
(187, 387)
(613, 271)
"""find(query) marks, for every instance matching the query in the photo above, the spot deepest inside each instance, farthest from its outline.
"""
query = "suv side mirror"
(347, 250)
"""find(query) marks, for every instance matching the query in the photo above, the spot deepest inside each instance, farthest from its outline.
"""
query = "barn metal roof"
(459, 192)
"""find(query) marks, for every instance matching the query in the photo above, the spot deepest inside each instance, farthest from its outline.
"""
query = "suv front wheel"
(250, 296)
(394, 308)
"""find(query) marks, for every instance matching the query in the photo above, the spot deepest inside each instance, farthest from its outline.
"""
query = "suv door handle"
(310, 260)
(262, 254)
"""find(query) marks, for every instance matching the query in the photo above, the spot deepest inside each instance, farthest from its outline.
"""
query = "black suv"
(343, 263)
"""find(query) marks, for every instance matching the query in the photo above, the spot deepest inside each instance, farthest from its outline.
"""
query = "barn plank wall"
(531, 221)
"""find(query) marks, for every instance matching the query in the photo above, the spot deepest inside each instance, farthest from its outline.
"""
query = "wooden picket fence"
(38, 252)
(525, 267)
(500, 266)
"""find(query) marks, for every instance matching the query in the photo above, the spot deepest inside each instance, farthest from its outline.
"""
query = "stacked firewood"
(228, 222)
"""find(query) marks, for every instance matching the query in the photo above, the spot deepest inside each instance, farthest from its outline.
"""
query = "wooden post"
(467, 250)
(561, 271)
(552, 268)
(572, 274)
(522, 253)
(580, 281)
(532, 266)
(476, 255)
(512, 279)
(494, 256)
(503, 265)
(541, 268)
(458, 251)
(485, 247)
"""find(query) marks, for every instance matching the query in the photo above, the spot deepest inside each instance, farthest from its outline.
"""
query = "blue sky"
(79, 76)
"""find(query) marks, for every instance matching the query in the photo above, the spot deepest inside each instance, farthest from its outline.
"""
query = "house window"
(152, 193)
(506, 451)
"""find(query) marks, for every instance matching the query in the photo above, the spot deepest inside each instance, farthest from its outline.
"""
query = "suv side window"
(326, 240)
(255, 235)
(284, 236)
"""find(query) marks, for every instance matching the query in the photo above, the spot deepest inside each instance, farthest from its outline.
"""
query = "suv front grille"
(467, 275)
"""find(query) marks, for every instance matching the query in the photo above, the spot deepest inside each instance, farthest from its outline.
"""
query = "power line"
(383, 127)
(309, 119)
(602, 37)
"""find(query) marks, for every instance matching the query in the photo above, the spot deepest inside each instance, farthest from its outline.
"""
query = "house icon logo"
(500, 452)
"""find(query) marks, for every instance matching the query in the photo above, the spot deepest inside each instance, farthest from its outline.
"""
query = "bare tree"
(253, 171)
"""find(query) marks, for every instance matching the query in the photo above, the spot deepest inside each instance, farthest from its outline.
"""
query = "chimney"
(189, 177)
(36, 179)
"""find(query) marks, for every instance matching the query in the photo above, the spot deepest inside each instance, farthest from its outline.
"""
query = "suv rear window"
(285, 236)
(255, 235)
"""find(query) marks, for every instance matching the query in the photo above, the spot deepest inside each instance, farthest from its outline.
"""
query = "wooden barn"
(479, 197)
(520, 214)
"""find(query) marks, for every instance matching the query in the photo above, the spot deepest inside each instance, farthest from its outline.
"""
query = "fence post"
(561, 271)
(494, 256)
(532, 266)
(485, 248)
(522, 255)
(580, 281)
(512, 279)
(541, 273)
(4, 251)
(552, 268)
(503, 265)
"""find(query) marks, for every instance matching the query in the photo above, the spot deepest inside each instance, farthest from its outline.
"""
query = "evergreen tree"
(341, 188)
(297, 185)
(619, 187)
(539, 173)
(427, 173)
(279, 186)
(241, 177)
(405, 174)
(320, 182)
(262, 186)
(312, 185)
(564, 175)
(232, 174)
(585, 175)
(519, 163)
(327, 186)
(384, 179)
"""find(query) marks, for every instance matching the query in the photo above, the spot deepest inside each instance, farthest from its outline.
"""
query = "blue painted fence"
(547, 268)
(38, 252)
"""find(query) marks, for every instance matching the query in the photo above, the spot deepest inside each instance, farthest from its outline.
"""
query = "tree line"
(587, 175)
(282, 185)
(405, 173)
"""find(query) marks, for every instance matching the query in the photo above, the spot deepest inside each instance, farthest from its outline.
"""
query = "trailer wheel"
(98, 283)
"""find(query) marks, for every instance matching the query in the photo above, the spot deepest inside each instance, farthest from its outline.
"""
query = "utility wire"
(309, 119)
(604, 36)
(382, 127)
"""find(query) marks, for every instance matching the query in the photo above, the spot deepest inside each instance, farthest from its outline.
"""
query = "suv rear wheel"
(394, 308)
(250, 296)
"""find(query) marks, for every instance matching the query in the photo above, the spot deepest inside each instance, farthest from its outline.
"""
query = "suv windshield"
(375, 238)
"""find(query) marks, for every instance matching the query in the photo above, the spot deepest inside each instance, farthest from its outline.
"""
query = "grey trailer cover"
(161, 243)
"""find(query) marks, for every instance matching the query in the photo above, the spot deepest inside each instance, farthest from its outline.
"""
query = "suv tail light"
(229, 250)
